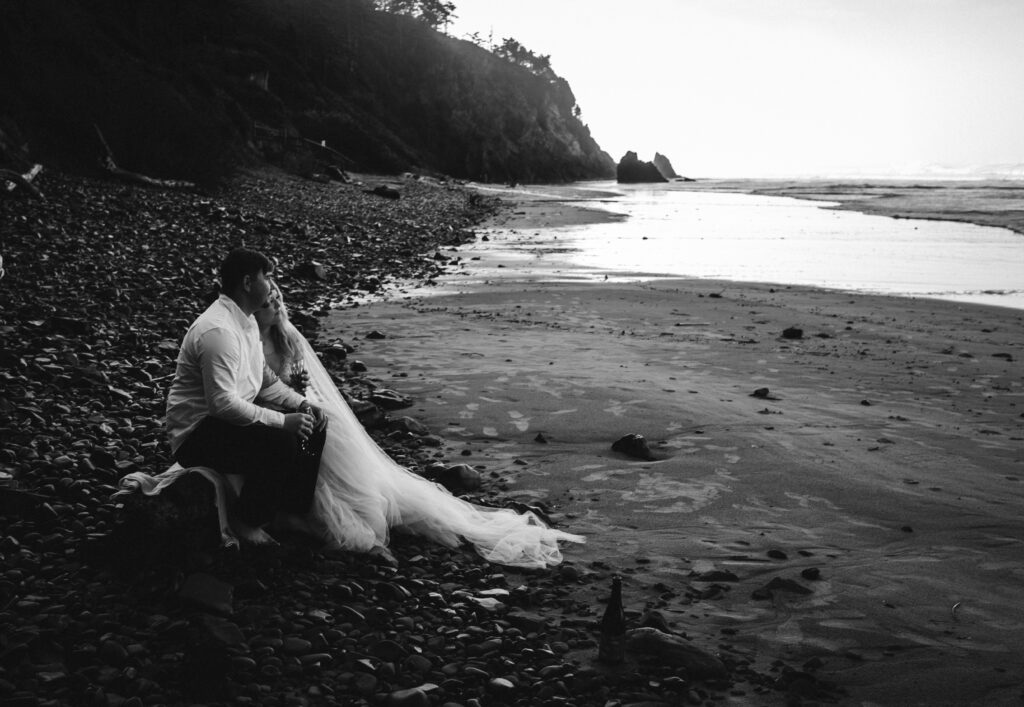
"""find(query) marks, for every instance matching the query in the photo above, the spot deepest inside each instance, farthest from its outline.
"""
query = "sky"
(750, 88)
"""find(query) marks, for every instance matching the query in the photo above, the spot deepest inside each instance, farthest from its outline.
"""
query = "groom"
(213, 418)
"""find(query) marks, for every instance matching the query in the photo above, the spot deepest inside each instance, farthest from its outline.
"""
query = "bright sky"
(784, 87)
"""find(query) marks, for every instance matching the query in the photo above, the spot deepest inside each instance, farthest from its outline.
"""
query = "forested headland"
(192, 89)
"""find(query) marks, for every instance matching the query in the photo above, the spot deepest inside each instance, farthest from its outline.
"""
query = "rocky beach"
(827, 510)
(110, 602)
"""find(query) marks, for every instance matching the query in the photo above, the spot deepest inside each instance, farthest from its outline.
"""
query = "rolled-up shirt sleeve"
(276, 392)
(221, 366)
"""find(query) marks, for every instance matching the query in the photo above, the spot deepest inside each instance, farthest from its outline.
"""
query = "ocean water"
(670, 230)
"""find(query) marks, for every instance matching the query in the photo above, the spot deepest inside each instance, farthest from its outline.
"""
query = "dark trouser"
(278, 474)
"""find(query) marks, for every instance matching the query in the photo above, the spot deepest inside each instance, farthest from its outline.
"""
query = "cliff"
(192, 88)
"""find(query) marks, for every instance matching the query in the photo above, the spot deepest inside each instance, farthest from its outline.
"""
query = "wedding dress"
(362, 493)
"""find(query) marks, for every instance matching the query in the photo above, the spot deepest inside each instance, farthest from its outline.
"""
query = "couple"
(317, 464)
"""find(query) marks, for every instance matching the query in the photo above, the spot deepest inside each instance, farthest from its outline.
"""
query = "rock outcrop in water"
(664, 166)
(631, 170)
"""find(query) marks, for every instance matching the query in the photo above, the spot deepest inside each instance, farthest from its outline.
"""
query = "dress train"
(362, 493)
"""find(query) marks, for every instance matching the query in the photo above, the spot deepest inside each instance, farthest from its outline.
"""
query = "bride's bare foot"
(382, 555)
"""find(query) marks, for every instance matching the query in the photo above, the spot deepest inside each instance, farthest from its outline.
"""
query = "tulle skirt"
(362, 493)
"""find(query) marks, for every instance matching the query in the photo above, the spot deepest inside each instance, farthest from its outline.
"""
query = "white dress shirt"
(221, 372)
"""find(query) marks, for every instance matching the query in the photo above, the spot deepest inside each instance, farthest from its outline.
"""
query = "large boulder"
(631, 170)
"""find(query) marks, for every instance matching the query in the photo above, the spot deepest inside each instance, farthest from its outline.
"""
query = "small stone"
(412, 697)
(113, 653)
(501, 685)
(388, 650)
(365, 684)
(296, 646)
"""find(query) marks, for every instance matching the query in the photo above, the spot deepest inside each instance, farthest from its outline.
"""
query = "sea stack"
(664, 166)
(631, 170)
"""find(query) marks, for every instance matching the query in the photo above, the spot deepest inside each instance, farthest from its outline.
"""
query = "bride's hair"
(283, 334)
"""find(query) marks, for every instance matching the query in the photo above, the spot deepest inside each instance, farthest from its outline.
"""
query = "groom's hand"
(299, 423)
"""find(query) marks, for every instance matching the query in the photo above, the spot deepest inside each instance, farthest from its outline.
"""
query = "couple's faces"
(267, 299)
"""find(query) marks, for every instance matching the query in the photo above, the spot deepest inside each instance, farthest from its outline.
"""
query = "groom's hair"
(239, 263)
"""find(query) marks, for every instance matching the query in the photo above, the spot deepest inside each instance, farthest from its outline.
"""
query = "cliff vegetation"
(190, 89)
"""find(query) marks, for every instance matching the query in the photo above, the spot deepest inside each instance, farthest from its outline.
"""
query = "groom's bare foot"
(258, 536)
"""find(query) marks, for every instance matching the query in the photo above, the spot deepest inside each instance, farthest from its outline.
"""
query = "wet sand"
(886, 455)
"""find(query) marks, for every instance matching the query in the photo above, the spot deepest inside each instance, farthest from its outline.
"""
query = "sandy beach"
(861, 517)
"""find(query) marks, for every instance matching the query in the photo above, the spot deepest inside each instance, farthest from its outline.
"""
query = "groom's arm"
(278, 393)
(222, 364)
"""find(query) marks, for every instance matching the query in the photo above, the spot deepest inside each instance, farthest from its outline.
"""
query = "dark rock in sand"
(677, 652)
(811, 574)
(633, 445)
(631, 170)
(386, 192)
(778, 584)
(408, 425)
(793, 333)
(390, 399)
(460, 478)
(655, 619)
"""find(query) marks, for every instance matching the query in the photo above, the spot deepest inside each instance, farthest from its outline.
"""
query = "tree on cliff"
(434, 13)
(513, 51)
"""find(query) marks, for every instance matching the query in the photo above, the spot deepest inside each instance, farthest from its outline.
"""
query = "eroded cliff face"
(189, 88)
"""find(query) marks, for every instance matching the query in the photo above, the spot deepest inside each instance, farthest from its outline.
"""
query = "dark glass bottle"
(612, 648)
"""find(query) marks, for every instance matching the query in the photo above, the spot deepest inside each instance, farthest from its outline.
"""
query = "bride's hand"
(319, 416)
(299, 381)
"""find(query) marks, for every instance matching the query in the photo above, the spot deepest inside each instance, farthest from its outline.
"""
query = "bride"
(362, 493)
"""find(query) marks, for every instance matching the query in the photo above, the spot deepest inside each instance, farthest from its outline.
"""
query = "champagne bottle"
(612, 648)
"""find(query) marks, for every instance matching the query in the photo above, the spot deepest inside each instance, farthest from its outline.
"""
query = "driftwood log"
(14, 180)
(110, 166)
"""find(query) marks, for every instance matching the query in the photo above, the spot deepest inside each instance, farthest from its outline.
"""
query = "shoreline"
(886, 456)
(566, 207)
